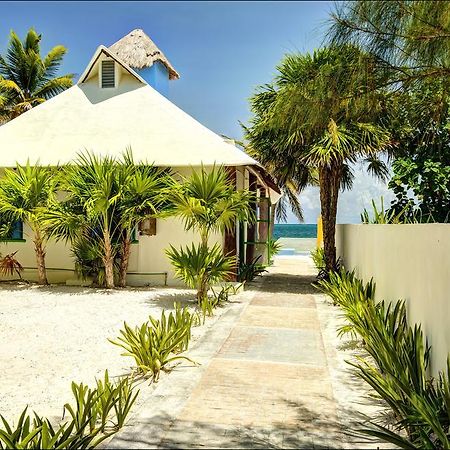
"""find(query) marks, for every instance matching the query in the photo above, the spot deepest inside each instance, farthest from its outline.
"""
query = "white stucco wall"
(410, 262)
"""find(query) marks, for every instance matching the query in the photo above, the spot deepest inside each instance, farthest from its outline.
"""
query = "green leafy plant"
(156, 343)
(27, 78)
(97, 414)
(318, 257)
(249, 271)
(206, 202)
(397, 370)
(273, 247)
(105, 407)
(38, 433)
(199, 266)
(383, 216)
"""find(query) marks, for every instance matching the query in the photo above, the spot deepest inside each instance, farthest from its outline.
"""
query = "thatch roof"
(138, 51)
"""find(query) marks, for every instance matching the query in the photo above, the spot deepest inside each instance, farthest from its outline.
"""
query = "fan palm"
(141, 198)
(28, 79)
(208, 202)
(89, 209)
(105, 199)
(25, 193)
(310, 123)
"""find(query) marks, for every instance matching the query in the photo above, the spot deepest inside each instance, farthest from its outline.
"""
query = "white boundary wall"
(410, 262)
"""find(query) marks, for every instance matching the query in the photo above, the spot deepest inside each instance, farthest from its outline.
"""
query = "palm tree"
(207, 202)
(25, 193)
(310, 122)
(141, 197)
(89, 209)
(28, 79)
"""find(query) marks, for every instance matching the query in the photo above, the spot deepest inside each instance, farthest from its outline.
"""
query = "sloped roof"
(138, 51)
(107, 121)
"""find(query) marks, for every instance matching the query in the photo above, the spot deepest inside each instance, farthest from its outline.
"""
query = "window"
(14, 231)
(108, 74)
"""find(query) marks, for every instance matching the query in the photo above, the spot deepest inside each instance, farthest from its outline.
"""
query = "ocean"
(295, 230)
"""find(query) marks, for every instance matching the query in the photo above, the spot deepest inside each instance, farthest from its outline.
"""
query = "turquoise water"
(295, 230)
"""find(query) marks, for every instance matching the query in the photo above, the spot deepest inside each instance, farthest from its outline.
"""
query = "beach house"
(120, 101)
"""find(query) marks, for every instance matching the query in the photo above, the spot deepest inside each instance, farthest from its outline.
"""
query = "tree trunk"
(329, 179)
(108, 260)
(125, 257)
(40, 257)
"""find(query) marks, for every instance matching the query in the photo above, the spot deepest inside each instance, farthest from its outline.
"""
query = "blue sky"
(222, 50)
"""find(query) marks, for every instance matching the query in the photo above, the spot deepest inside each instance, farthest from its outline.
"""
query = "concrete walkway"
(272, 376)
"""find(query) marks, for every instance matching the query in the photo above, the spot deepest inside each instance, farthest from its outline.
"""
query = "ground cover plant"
(97, 414)
(397, 369)
(157, 343)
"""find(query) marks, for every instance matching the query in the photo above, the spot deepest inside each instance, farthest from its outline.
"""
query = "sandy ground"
(51, 336)
(300, 245)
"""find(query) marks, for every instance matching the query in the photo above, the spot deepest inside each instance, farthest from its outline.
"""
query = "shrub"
(157, 343)
(199, 266)
(273, 248)
(249, 271)
(421, 406)
(318, 257)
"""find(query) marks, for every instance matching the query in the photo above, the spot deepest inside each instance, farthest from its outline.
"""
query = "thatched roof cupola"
(138, 51)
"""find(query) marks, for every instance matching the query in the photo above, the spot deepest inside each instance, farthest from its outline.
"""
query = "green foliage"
(273, 247)
(408, 38)
(318, 257)
(383, 216)
(216, 300)
(200, 266)
(105, 199)
(25, 194)
(249, 271)
(28, 79)
(420, 405)
(97, 414)
(157, 343)
(316, 119)
(207, 201)
(103, 409)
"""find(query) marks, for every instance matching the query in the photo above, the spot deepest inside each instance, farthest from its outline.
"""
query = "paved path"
(272, 376)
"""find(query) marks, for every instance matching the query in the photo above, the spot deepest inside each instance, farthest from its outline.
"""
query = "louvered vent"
(108, 74)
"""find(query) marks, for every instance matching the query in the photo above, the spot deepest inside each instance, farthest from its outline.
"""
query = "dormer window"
(108, 74)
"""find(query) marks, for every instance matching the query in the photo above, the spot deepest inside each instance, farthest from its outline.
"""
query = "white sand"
(51, 336)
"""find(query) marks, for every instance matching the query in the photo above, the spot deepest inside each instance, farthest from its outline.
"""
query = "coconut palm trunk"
(124, 259)
(39, 249)
(330, 180)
